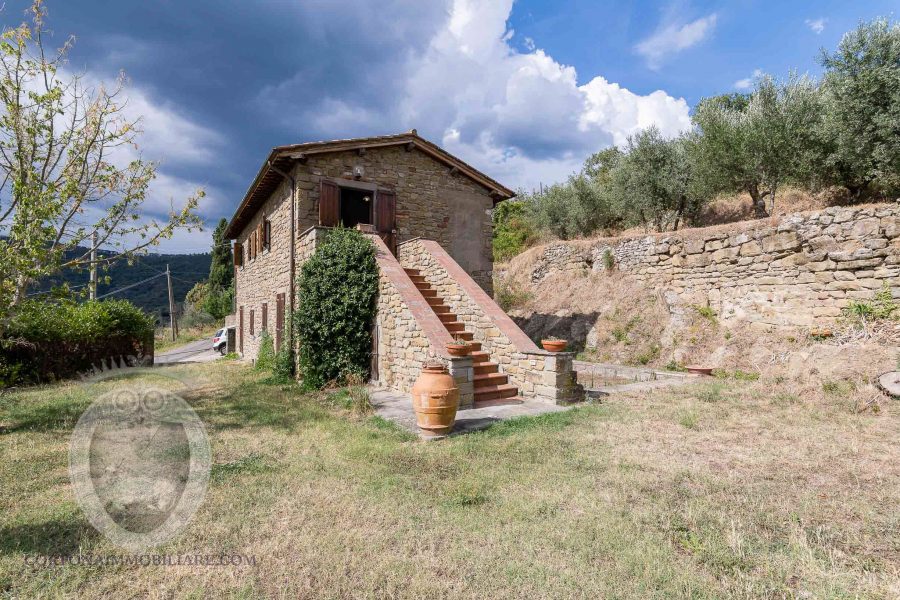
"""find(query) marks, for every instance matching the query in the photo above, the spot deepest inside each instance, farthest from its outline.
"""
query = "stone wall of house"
(259, 281)
(798, 270)
(538, 374)
(432, 202)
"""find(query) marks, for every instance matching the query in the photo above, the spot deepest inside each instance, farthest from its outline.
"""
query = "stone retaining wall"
(799, 270)
(538, 374)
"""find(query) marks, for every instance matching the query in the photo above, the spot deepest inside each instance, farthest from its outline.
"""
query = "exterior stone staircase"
(491, 386)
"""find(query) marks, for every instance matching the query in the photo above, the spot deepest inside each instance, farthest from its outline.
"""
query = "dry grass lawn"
(726, 489)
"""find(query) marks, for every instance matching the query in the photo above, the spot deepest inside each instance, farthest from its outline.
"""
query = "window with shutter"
(259, 238)
(238, 254)
(267, 235)
(329, 204)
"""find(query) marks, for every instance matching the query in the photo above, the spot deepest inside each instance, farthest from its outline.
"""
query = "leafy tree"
(653, 182)
(69, 166)
(514, 229)
(337, 290)
(861, 86)
(221, 269)
(756, 145)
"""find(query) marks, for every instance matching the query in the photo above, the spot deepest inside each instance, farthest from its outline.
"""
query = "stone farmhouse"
(429, 216)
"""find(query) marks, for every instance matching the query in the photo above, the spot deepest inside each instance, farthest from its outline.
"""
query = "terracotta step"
(447, 317)
(495, 392)
(430, 294)
(488, 379)
(441, 309)
(418, 278)
(498, 402)
(475, 346)
(487, 367)
(465, 335)
(455, 327)
(411, 271)
(434, 301)
(480, 356)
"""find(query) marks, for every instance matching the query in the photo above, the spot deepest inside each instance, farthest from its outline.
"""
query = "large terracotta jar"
(435, 399)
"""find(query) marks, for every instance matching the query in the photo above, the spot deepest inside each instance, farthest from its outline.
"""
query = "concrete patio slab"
(397, 407)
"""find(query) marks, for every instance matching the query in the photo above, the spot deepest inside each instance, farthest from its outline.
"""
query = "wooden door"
(386, 218)
(279, 320)
(329, 204)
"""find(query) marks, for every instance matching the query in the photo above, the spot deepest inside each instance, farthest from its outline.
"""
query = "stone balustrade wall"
(538, 374)
(798, 270)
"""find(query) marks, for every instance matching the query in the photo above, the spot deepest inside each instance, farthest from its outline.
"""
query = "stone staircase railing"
(538, 374)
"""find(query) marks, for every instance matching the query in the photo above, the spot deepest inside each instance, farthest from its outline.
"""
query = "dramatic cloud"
(817, 25)
(520, 116)
(747, 83)
(673, 37)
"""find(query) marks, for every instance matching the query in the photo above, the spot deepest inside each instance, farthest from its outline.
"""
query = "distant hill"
(187, 269)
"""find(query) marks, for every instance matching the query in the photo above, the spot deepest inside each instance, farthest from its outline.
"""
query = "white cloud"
(521, 117)
(508, 108)
(747, 82)
(817, 25)
(674, 37)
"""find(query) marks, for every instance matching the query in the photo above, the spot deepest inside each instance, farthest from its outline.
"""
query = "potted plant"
(435, 397)
(459, 347)
(554, 344)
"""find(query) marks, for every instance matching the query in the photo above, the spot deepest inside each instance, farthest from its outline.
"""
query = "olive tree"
(654, 182)
(861, 87)
(756, 143)
(69, 166)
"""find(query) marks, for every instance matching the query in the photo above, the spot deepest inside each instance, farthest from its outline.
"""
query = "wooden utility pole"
(171, 303)
(92, 285)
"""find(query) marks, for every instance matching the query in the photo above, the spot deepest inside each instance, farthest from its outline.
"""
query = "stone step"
(487, 367)
(498, 402)
(495, 392)
(489, 379)
(480, 356)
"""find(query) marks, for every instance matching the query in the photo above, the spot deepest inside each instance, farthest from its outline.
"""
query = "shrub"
(509, 297)
(514, 229)
(337, 290)
(265, 360)
(609, 261)
(43, 340)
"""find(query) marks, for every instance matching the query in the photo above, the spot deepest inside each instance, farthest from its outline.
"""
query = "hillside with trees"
(838, 136)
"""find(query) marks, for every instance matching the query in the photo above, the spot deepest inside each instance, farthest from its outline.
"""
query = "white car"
(220, 341)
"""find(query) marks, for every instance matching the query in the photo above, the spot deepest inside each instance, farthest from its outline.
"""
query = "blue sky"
(524, 90)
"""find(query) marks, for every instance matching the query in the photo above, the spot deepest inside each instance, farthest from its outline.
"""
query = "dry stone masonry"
(800, 270)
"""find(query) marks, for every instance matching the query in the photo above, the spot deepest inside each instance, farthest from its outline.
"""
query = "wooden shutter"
(252, 331)
(279, 320)
(267, 235)
(329, 204)
(238, 254)
(265, 317)
(385, 217)
(241, 329)
(259, 238)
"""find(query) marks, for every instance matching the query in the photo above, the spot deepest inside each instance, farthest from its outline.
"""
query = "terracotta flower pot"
(700, 370)
(554, 345)
(459, 349)
(435, 399)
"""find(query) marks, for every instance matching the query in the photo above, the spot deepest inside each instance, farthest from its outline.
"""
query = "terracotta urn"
(459, 349)
(554, 345)
(435, 399)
